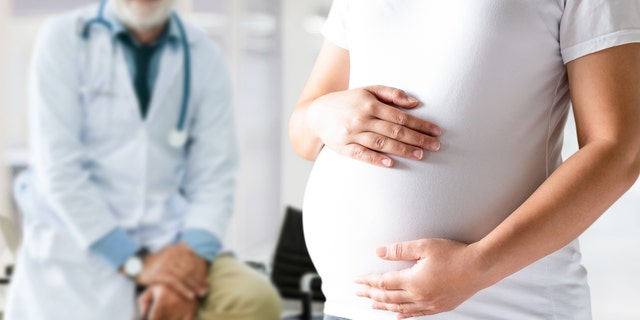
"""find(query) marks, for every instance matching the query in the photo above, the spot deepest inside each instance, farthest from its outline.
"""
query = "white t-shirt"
(492, 74)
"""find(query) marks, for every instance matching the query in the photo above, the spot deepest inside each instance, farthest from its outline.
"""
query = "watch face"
(133, 266)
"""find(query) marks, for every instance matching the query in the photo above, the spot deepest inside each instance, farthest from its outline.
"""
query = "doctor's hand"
(161, 303)
(367, 122)
(446, 273)
(179, 268)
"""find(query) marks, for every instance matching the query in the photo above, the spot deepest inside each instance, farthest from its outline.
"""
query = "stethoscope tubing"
(178, 136)
(99, 19)
(186, 86)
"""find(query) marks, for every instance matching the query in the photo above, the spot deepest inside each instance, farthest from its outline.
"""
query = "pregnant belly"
(351, 208)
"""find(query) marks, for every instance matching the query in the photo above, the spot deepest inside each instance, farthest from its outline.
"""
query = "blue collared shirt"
(117, 246)
(170, 37)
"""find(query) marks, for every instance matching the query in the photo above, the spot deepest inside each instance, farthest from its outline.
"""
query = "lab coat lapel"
(170, 64)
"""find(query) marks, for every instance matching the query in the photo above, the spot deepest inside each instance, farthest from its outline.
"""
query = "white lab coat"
(97, 164)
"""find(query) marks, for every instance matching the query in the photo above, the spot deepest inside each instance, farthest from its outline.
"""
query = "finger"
(392, 280)
(144, 302)
(155, 312)
(179, 287)
(393, 96)
(402, 135)
(416, 314)
(201, 273)
(187, 278)
(394, 115)
(400, 308)
(203, 286)
(385, 296)
(198, 286)
(403, 251)
(367, 155)
(194, 278)
(377, 142)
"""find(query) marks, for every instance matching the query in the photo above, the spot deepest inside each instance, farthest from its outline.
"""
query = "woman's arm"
(330, 74)
(605, 88)
(605, 91)
(362, 123)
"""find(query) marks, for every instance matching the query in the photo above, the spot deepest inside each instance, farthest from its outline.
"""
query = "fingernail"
(381, 251)
(412, 99)
(386, 162)
(434, 146)
(418, 154)
(436, 131)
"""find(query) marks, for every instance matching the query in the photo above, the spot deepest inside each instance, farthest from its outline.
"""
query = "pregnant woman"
(436, 127)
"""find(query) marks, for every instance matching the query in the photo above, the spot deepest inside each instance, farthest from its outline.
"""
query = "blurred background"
(270, 47)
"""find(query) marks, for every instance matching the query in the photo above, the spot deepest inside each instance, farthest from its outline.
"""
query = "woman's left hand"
(446, 274)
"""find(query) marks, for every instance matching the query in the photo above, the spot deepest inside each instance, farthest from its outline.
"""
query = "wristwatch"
(134, 265)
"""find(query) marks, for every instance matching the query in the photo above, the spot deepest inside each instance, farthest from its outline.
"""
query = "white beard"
(143, 16)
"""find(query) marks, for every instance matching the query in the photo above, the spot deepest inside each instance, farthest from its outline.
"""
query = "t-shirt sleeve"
(335, 28)
(588, 26)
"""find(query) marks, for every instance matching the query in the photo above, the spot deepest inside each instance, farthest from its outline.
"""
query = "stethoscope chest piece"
(178, 138)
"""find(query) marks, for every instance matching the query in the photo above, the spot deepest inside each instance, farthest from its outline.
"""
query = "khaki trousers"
(238, 292)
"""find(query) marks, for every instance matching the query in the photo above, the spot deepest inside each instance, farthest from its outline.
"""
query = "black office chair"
(8, 271)
(10, 238)
(292, 272)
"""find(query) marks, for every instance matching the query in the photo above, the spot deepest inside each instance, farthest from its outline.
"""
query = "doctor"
(132, 179)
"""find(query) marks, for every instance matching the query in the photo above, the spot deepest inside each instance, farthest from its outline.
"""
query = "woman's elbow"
(628, 155)
(635, 164)
(304, 144)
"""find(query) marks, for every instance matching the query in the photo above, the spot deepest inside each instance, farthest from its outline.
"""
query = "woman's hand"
(366, 123)
(446, 274)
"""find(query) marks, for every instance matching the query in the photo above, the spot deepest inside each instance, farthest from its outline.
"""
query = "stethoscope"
(178, 136)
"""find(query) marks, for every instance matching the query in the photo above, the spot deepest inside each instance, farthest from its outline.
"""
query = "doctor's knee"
(238, 292)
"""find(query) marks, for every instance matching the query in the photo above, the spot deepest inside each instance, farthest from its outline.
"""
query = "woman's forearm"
(563, 207)
(304, 141)
(606, 105)
(330, 74)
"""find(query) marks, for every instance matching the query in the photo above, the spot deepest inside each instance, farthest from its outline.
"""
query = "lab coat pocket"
(50, 243)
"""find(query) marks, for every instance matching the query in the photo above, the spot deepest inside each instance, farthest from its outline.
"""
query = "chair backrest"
(291, 259)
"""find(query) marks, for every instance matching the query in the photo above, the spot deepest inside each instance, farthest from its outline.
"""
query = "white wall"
(4, 22)
(5, 255)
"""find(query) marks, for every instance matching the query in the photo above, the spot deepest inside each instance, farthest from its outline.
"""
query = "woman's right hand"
(367, 123)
